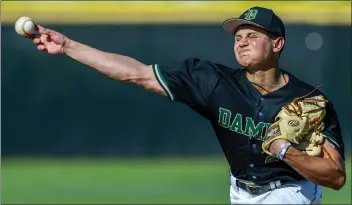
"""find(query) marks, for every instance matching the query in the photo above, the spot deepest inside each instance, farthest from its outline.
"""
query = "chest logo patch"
(246, 126)
(242, 125)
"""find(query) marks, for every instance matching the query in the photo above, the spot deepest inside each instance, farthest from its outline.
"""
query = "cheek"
(256, 46)
(259, 48)
(235, 48)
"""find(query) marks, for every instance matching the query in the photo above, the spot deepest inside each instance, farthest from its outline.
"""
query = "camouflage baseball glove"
(299, 122)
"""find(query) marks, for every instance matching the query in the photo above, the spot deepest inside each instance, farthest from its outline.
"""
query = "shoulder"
(209, 68)
(197, 71)
(216, 68)
(204, 63)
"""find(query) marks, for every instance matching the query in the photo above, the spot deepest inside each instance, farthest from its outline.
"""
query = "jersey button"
(251, 165)
(260, 114)
(254, 177)
(254, 146)
(262, 99)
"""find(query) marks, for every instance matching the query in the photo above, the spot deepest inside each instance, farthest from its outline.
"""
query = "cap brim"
(231, 25)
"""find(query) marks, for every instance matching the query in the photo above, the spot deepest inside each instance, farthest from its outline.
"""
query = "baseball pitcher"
(281, 136)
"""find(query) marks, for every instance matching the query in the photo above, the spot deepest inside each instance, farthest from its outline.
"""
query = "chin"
(245, 61)
(246, 64)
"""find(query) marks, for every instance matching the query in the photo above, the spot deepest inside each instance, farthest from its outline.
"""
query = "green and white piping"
(163, 82)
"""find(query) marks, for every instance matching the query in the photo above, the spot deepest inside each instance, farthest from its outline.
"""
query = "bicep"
(146, 79)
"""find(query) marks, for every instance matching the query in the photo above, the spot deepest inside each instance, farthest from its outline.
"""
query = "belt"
(253, 189)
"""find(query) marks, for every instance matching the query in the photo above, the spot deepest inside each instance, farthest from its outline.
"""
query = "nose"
(243, 42)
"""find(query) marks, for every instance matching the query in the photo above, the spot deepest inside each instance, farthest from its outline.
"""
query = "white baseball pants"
(298, 192)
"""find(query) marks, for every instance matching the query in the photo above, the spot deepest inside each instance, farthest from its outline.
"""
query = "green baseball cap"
(257, 16)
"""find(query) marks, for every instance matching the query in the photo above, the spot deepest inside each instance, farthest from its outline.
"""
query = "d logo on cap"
(251, 14)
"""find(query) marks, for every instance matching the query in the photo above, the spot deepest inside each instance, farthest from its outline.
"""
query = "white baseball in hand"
(24, 26)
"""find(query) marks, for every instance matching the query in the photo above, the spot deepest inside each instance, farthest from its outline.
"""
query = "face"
(254, 47)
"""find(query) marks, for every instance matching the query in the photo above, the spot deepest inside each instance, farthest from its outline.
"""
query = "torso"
(240, 116)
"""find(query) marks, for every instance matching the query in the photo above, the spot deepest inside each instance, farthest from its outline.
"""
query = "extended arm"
(116, 66)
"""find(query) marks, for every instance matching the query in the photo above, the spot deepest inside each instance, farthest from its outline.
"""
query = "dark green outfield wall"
(52, 105)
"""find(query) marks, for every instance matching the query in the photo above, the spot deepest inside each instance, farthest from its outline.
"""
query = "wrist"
(282, 152)
(67, 46)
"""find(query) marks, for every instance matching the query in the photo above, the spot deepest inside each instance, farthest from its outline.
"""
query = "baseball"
(24, 26)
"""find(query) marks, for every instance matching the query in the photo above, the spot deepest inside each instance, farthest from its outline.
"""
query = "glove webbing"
(292, 109)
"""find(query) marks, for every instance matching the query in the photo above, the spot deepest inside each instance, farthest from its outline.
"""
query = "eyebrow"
(249, 33)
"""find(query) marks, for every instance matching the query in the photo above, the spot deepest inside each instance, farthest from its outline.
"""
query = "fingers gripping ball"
(24, 26)
(300, 120)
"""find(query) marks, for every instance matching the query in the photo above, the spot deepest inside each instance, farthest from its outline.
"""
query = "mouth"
(243, 51)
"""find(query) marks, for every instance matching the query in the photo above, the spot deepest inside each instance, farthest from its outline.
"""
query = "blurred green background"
(126, 181)
(71, 135)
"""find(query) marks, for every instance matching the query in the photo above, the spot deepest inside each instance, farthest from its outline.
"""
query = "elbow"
(335, 179)
(339, 182)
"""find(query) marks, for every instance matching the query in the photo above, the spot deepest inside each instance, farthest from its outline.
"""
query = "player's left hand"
(277, 145)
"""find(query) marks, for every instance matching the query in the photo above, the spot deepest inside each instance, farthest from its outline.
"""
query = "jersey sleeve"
(332, 129)
(190, 81)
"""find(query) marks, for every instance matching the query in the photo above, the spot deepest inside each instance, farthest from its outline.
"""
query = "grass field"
(133, 181)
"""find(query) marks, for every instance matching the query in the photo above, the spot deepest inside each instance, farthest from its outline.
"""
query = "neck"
(267, 79)
(269, 76)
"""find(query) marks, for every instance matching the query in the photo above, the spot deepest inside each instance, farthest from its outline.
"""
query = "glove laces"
(296, 108)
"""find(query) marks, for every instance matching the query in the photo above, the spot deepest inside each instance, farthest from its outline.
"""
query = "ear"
(278, 44)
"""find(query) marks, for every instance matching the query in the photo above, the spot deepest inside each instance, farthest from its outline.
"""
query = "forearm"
(113, 65)
(321, 171)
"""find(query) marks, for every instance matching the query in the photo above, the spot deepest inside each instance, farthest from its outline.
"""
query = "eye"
(253, 36)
